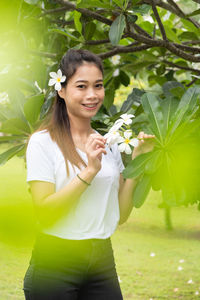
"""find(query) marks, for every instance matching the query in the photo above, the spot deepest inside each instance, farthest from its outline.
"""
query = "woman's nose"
(91, 93)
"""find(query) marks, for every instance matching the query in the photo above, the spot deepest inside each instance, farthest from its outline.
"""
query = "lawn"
(152, 263)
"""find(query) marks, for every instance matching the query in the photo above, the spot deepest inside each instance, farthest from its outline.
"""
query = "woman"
(75, 181)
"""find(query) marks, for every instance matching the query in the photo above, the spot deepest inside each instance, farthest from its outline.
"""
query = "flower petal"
(127, 149)
(52, 81)
(127, 134)
(63, 78)
(134, 142)
(57, 86)
(59, 73)
(53, 74)
(122, 147)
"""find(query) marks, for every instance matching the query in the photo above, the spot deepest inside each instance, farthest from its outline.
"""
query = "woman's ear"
(61, 93)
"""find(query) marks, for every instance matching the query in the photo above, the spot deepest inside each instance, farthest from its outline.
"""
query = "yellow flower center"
(127, 141)
(58, 79)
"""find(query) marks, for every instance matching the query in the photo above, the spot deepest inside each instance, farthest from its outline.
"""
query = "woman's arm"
(51, 205)
(128, 186)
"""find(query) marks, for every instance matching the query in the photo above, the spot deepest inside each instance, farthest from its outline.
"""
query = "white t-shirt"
(96, 214)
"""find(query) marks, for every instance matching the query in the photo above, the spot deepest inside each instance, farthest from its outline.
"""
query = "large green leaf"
(137, 166)
(12, 138)
(94, 3)
(153, 110)
(141, 191)
(5, 156)
(116, 30)
(17, 100)
(135, 96)
(185, 108)
(154, 162)
(15, 126)
(169, 106)
(32, 108)
(169, 86)
(141, 9)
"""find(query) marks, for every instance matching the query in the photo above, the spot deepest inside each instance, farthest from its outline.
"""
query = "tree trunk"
(168, 221)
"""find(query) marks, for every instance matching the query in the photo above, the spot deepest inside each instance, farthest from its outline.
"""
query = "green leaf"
(154, 162)
(77, 22)
(135, 96)
(5, 156)
(15, 126)
(132, 18)
(89, 30)
(64, 32)
(125, 80)
(171, 85)
(32, 2)
(137, 166)
(142, 9)
(109, 96)
(119, 2)
(153, 110)
(185, 108)
(169, 106)
(171, 35)
(116, 30)
(92, 4)
(141, 191)
(194, 13)
(32, 108)
(12, 138)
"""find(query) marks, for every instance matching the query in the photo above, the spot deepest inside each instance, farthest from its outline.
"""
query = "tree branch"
(119, 50)
(171, 9)
(85, 11)
(52, 11)
(138, 29)
(180, 67)
(162, 30)
(183, 14)
(187, 48)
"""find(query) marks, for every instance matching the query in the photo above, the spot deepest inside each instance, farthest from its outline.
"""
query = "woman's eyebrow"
(82, 80)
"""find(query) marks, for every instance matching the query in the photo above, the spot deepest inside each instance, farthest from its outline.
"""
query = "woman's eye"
(99, 85)
(81, 86)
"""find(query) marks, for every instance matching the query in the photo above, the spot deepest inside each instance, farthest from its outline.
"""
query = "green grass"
(142, 276)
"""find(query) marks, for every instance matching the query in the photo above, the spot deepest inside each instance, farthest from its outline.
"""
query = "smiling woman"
(79, 194)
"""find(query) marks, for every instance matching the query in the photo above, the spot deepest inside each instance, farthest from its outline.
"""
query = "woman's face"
(84, 92)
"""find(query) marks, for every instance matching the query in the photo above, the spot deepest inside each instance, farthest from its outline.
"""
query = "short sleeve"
(117, 157)
(39, 160)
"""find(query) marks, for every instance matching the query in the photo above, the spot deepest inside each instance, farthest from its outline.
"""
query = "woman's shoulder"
(42, 137)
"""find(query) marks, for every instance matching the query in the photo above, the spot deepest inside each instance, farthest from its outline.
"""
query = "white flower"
(112, 136)
(126, 141)
(196, 293)
(196, 76)
(190, 281)
(179, 268)
(56, 79)
(115, 59)
(125, 118)
(152, 254)
(116, 73)
(181, 261)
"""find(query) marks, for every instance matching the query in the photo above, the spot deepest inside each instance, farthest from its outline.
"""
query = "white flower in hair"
(56, 79)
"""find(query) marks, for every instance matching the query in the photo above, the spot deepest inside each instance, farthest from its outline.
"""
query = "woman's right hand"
(95, 147)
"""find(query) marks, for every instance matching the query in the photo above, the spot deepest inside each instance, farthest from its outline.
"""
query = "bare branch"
(119, 50)
(181, 67)
(197, 42)
(187, 48)
(140, 30)
(162, 30)
(53, 11)
(192, 82)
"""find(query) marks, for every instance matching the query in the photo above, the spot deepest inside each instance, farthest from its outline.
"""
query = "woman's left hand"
(146, 144)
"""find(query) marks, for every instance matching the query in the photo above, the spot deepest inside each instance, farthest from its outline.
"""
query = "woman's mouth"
(90, 106)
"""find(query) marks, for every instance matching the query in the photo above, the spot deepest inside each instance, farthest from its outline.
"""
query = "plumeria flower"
(196, 293)
(180, 268)
(181, 261)
(190, 281)
(126, 141)
(112, 136)
(116, 73)
(115, 59)
(152, 254)
(124, 119)
(56, 79)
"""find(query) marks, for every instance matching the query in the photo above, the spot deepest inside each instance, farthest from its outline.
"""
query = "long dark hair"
(59, 124)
